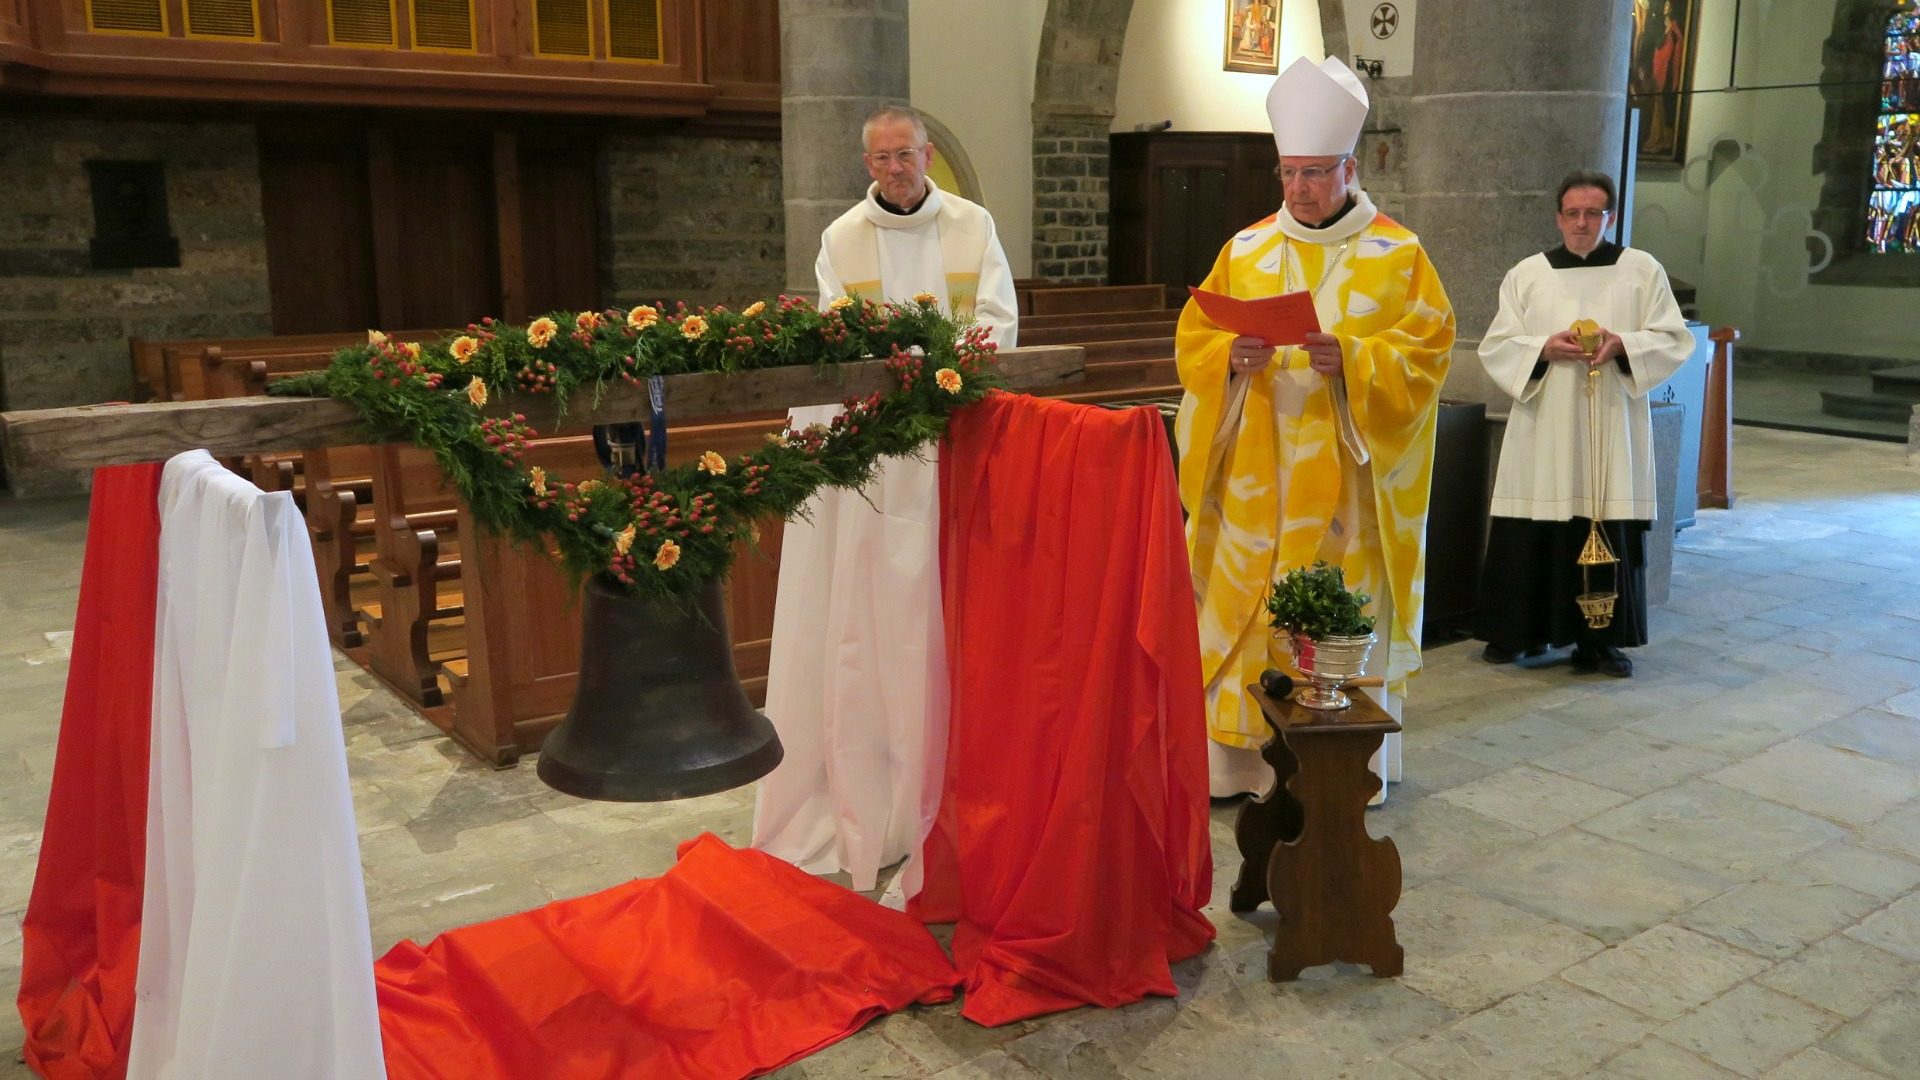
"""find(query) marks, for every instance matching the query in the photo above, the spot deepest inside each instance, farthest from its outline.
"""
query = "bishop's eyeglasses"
(1312, 174)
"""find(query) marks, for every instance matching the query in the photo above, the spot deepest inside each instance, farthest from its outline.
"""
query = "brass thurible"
(1596, 605)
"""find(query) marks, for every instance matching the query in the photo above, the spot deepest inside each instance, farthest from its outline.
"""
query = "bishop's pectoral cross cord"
(1286, 278)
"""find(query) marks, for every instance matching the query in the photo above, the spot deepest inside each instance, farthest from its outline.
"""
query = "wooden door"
(319, 228)
(559, 224)
(1178, 197)
(436, 225)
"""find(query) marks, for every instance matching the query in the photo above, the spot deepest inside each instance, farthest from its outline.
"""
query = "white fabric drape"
(255, 954)
(857, 676)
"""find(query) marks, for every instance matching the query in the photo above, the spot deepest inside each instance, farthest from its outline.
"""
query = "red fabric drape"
(80, 938)
(731, 964)
(1071, 846)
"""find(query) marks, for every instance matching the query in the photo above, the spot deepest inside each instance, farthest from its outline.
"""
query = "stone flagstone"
(1665, 972)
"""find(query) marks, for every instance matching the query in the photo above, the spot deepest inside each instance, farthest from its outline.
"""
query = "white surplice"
(255, 955)
(1545, 459)
(857, 675)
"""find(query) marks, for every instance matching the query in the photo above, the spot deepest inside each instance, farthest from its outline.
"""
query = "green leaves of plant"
(1316, 602)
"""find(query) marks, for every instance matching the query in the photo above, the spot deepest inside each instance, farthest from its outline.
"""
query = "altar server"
(1543, 494)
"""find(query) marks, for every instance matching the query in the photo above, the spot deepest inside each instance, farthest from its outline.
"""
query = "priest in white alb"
(856, 679)
(1560, 471)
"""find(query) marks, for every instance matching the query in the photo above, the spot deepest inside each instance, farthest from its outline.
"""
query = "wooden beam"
(88, 436)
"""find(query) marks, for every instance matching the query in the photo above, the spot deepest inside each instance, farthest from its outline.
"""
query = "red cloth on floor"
(1072, 844)
(80, 937)
(731, 964)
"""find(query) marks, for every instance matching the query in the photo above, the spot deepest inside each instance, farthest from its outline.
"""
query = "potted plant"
(1325, 624)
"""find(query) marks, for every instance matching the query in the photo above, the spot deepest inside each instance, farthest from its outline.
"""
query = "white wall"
(1171, 67)
(1738, 232)
(972, 69)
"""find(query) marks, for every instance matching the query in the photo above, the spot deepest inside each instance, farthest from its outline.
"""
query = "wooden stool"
(1305, 844)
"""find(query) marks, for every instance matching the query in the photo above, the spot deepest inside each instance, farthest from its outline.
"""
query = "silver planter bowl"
(1327, 663)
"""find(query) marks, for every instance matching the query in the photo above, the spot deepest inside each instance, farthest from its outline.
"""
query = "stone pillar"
(1508, 96)
(1074, 83)
(839, 60)
(1070, 197)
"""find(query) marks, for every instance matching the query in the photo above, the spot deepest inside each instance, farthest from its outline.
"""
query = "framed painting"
(1661, 76)
(1253, 36)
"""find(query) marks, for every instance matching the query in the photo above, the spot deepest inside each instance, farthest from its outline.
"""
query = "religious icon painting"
(1253, 36)
(1660, 80)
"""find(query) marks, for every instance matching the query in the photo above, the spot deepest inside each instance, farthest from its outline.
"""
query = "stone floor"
(1709, 870)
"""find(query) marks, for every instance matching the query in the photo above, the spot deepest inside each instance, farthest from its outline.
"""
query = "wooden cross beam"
(88, 436)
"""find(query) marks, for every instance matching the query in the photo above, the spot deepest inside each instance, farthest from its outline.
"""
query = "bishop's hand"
(1323, 353)
(1248, 355)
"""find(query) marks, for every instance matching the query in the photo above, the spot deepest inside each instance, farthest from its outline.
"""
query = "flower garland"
(665, 533)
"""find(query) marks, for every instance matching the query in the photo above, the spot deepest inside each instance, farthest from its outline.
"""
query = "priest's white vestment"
(856, 672)
(947, 247)
(1544, 470)
(255, 955)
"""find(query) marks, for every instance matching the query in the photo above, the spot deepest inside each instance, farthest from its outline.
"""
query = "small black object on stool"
(1278, 684)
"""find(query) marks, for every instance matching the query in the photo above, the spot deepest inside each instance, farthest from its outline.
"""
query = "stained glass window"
(1893, 208)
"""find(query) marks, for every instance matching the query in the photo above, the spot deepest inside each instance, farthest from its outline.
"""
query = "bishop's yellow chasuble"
(1286, 466)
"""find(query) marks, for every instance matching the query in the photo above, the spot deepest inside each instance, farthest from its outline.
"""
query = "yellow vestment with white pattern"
(1284, 467)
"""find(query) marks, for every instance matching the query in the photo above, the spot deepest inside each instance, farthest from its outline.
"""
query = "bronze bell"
(659, 713)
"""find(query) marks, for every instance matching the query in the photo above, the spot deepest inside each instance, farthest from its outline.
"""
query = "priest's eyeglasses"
(886, 158)
(1312, 174)
(1584, 214)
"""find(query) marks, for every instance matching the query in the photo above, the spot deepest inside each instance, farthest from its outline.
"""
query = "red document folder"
(1286, 319)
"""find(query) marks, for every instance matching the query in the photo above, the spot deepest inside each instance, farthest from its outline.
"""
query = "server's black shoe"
(1496, 654)
(1604, 659)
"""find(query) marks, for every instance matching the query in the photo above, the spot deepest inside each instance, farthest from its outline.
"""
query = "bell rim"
(626, 786)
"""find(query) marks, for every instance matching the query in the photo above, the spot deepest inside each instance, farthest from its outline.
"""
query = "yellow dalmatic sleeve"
(1263, 474)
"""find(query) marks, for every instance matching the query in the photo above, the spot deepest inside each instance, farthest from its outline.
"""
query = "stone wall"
(1070, 199)
(64, 326)
(1073, 90)
(694, 219)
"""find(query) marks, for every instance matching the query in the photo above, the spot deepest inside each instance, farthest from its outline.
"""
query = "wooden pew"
(416, 571)
(388, 552)
(156, 379)
(1083, 334)
(1095, 299)
(333, 486)
(1030, 323)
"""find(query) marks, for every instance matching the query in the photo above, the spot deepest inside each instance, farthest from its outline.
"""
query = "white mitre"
(1317, 110)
